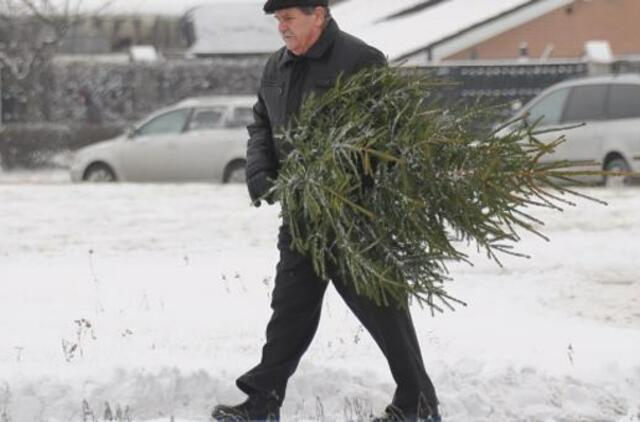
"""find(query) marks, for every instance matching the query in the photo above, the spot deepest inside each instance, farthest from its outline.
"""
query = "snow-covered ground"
(151, 299)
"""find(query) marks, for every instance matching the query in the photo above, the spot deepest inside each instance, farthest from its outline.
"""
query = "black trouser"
(297, 302)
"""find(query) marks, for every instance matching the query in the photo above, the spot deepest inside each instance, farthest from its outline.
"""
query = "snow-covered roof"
(234, 28)
(358, 13)
(443, 21)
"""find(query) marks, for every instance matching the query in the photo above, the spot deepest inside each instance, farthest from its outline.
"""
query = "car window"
(548, 110)
(207, 118)
(586, 103)
(241, 117)
(165, 124)
(624, 101)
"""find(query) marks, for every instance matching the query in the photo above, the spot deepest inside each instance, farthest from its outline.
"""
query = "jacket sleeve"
(261, 156)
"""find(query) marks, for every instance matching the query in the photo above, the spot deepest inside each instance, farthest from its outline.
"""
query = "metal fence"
(504, 83)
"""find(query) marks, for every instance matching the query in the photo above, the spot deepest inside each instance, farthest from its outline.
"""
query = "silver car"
(198, 139)
(609, 107)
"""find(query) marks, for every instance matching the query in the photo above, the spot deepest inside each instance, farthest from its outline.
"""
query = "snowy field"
(147, 301)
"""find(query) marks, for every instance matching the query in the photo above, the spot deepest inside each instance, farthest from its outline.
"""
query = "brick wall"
(567, 29)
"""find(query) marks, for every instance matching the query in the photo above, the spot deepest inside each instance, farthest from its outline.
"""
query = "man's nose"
(282, 27)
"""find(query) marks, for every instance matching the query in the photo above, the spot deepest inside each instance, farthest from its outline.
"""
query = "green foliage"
(383, 185)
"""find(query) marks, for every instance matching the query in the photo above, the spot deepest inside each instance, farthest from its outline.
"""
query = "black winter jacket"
(287, 79)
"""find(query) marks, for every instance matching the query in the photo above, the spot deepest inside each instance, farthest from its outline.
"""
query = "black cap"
(272, 5)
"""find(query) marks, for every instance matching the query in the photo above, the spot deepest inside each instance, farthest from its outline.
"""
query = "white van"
(609, 107)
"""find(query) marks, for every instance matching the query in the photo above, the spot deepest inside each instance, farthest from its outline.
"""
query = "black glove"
(259, 184)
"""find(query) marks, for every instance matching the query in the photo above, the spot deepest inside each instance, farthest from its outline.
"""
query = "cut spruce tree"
(387, 187)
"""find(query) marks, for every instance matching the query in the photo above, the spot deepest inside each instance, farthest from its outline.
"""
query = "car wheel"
(235, 172)
(617, 164)
(99, 173)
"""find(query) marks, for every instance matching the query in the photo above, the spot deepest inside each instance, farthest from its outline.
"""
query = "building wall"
(106, 34)
(566, 30)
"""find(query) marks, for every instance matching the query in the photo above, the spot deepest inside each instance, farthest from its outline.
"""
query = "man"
(316, 52)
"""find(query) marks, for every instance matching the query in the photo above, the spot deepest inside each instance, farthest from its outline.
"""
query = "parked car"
(609, 107)
(198, 139)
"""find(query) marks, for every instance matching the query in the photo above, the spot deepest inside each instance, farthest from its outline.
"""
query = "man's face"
(299, 30)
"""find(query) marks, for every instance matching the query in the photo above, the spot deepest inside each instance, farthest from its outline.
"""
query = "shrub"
(32, 146)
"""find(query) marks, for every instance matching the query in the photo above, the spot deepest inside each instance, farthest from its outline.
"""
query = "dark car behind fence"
(83, 102)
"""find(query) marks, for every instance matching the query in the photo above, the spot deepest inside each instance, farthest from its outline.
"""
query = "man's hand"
(259, 184)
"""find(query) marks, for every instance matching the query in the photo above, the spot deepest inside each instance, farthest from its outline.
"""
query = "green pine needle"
(383, 186)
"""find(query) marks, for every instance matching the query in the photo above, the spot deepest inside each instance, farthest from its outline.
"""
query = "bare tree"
(31, 31)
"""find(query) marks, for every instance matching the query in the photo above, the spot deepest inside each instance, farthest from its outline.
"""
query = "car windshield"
(166, 124)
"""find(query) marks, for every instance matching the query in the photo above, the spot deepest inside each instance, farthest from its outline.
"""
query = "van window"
(624, 101)
(548, 110)
(586, 103)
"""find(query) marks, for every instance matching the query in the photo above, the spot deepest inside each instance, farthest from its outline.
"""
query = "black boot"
(254, 409)
(393, 414)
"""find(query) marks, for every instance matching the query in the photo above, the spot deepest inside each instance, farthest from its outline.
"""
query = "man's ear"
(320, 15)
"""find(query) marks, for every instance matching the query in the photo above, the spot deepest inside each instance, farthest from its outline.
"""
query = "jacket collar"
(317, 50)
